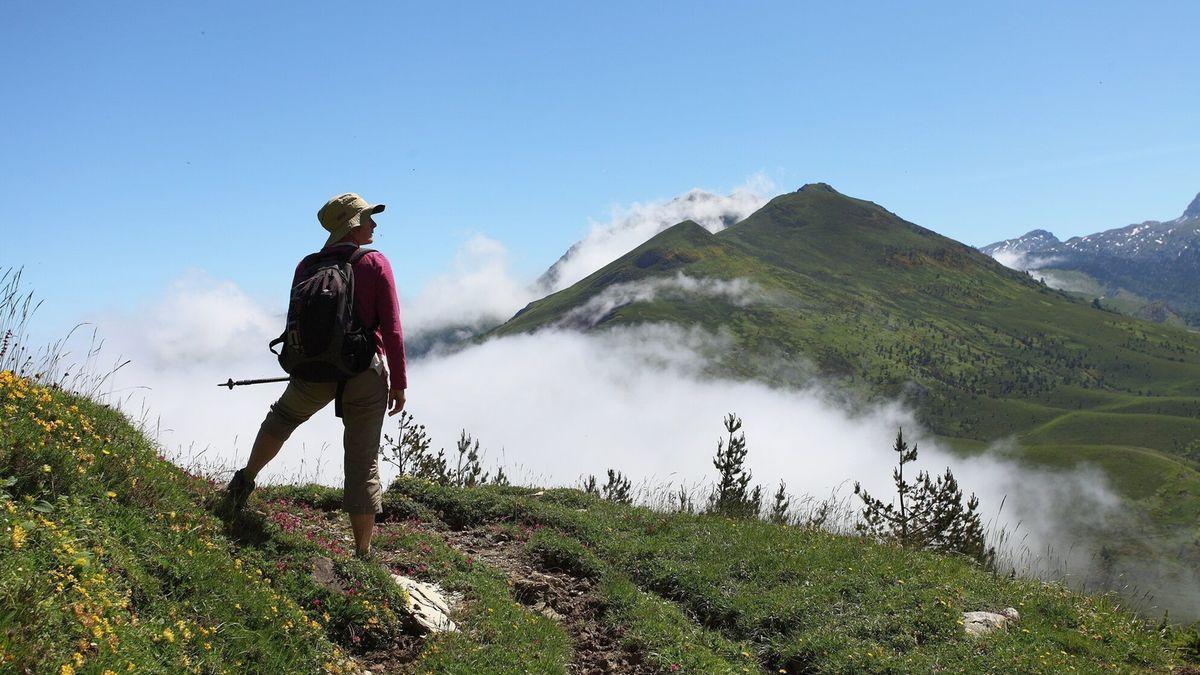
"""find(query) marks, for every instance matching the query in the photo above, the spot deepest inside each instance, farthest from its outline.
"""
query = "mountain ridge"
(1157, 261)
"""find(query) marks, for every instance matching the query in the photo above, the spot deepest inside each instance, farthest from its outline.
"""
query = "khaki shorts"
(364, 403)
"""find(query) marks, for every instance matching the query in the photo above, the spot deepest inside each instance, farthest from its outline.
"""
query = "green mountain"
(892, 309)
(899, 310)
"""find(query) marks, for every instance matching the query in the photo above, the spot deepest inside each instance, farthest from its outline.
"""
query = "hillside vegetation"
(890, 309)
(110, 561)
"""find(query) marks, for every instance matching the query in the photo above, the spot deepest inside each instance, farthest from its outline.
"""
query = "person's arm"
(388, 310)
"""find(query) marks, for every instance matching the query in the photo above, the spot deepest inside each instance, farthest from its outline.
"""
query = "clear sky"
(143, 139)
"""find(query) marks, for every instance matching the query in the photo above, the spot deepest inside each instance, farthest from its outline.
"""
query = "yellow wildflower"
(46, 468)
(110, 494)
(169, 634)
(18, 536)
(66, 670)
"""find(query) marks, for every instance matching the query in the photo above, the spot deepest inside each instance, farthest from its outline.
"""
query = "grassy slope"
(110, 558)
(805, 600)
(880, 303)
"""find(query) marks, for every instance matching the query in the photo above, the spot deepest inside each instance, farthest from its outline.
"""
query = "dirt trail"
(574, 603)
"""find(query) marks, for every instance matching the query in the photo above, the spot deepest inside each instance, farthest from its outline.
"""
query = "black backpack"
(323, 341)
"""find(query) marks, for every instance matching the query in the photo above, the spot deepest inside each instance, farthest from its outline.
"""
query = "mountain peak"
(1040, 234)
(818, 187)
(1193, 209)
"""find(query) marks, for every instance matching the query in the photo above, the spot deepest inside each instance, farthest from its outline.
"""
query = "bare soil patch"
(574, 603)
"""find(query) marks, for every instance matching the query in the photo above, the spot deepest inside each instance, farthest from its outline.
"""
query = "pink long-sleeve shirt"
(376, 304)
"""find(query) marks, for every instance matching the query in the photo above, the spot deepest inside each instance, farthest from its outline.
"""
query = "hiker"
(360, 400)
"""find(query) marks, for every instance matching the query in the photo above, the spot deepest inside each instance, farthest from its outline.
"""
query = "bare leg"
(264, 450)
(363, 525)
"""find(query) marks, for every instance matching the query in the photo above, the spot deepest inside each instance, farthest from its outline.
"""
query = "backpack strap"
(341, 385)
(354, 257)
(359, 253)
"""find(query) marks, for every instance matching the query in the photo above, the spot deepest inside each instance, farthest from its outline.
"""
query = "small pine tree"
(469, 472)
(589, 486)
(779, 508)
(931, 513)
(409, 452)
(406, 450)
(730, 497)
(617, 488)
(501, 478)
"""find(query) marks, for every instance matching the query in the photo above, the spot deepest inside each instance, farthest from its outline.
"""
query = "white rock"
(427, 604)
(982, 623)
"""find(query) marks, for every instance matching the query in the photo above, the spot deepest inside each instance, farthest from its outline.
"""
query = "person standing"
(366, 397)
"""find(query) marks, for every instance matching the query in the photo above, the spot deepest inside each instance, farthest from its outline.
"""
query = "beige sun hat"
(344, 213)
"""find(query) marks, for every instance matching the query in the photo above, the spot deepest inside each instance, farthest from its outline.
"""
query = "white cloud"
(198, 319)
(1023, 261)
(738, 292)
(1036, 266)
(559, 404)
(481, 290)
(631, 225)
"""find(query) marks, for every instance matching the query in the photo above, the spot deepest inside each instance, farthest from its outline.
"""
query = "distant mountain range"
(1150, 269)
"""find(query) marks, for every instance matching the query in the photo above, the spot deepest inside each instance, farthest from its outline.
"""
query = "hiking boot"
(236, 494)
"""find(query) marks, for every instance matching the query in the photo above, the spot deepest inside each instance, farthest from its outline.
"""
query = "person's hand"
(395, 401)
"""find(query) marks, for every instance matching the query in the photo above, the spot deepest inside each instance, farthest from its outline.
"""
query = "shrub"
(730, 497)
(589, 486)
(931, 513)
(617, 488)
(409, 451)
(779, 508)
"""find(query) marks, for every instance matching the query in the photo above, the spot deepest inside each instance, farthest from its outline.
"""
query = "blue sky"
(144, 139)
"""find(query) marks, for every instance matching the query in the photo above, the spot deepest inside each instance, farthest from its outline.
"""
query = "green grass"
(1138, 473)
(110, 557)
(106, 560)
(1146, 430)
(798, 600)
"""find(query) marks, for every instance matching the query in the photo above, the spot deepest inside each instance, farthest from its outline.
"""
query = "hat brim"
(355, 221)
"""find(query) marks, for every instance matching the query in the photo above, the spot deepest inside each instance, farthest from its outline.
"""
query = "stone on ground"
(427, 605)
(982, 623)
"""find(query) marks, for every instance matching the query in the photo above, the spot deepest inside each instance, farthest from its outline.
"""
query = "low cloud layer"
(1037, 267)
(555, 406)
(1023, 261)
(481, 289)
(737, 292)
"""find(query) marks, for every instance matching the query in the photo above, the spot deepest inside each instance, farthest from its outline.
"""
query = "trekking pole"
(231, 384)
